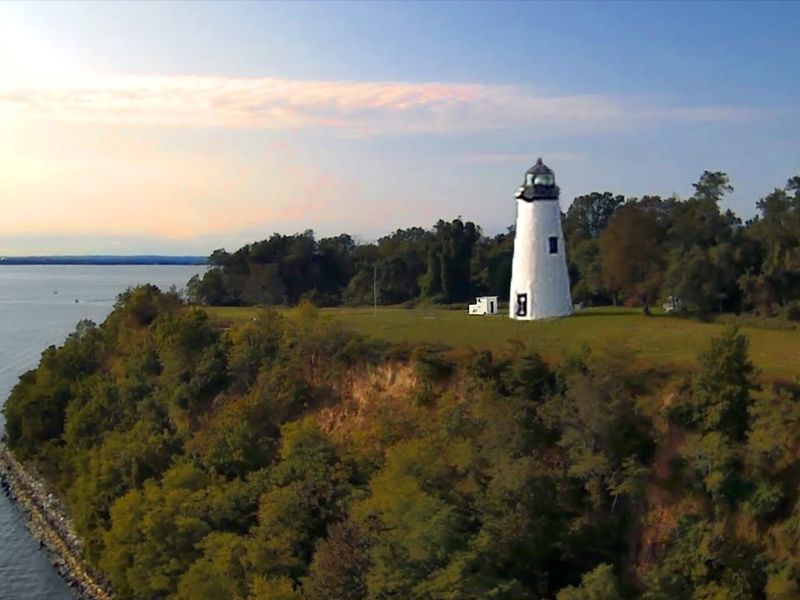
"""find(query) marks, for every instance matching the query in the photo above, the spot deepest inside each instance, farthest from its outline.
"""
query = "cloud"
(353, 108)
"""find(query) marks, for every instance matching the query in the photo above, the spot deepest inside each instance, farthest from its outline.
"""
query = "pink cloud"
(355, 108)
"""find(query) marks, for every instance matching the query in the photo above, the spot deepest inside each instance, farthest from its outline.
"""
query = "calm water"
(32, 317)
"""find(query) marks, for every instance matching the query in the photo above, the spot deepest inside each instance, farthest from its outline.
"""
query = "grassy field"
(659, 339)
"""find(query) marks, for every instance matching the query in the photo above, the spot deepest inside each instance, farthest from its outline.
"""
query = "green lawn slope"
(660, 340)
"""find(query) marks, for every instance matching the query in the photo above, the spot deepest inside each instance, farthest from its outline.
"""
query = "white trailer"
(485, 305)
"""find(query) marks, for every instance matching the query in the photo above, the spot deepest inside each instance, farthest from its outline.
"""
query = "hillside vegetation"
(290, 458)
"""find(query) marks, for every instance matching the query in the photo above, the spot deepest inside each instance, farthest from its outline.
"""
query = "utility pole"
(375, 289)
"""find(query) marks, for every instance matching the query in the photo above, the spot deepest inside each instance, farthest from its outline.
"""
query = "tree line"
(636, 251)
(288, 459)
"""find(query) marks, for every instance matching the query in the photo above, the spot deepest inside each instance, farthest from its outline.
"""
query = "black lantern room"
(539, 184)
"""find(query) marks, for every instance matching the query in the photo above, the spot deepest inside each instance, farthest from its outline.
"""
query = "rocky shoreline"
(48, 523)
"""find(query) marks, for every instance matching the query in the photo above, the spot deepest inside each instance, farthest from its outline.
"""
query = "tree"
(264, 285)
(155, 533)
(589, 215)
(703, 269)
(775, 279)
(448, 276)
(718, 412)
(773, 445)
(491, 264)
(782, 586)
(420, 524)
(219, 573)
(273, 588)
(722, 387)
(307, 486)
(598, 584)
(706, 560)
(713, 458)
(586, 271)
(702, 280)
(712, 186)
(631, 254)
(340, 565)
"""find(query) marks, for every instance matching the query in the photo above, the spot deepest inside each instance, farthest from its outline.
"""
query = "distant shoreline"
(139, 260)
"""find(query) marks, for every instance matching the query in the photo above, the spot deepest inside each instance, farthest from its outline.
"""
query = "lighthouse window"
(544, 179)
(553, 241)
(529, 179)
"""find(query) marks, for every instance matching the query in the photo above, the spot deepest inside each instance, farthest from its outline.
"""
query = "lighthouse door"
(522, 305)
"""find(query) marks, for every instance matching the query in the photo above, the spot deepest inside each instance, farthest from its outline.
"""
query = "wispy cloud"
(354, 108)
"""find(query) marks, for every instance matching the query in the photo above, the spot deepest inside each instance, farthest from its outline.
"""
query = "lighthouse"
(539, 279)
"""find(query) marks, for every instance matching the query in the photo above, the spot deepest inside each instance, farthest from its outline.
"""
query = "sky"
(179, 128)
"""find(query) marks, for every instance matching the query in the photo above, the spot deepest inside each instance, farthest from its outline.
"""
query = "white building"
(485, 305)
(671, 304)
(539, 279)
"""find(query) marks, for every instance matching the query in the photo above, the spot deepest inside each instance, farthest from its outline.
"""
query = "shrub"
(791, 311)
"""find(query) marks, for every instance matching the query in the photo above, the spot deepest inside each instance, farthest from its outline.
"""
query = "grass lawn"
(667, 341)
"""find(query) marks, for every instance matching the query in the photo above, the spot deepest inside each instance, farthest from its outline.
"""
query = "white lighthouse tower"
(539, 279)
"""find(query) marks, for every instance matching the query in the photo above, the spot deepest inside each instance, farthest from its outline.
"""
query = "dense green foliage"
(636, 250)
(285, 458)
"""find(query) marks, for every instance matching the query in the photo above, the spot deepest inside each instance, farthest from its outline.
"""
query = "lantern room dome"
(539, 184)
(540, 168)
(540, 174)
